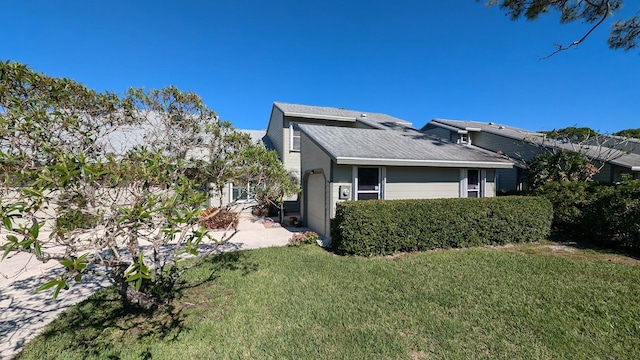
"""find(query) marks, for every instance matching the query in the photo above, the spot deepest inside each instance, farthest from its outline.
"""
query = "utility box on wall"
(345, 192)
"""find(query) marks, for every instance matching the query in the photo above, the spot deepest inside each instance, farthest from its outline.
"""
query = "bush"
(215, 219)
(606, 214)
(75, 219)
(613, 217)
(299, 239)
(380, 227)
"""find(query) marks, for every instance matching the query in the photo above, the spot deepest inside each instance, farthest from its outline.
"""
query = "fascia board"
(427, 163)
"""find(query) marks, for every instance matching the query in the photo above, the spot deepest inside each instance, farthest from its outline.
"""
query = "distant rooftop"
(377, 120)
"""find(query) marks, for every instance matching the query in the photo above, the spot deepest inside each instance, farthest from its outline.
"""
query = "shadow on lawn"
(95, 324)
(604, 247)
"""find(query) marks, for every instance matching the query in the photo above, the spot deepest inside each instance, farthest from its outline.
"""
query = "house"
(342, 155)
(523, 145)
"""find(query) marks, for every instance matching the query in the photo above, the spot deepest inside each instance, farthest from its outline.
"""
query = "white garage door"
(315, 204)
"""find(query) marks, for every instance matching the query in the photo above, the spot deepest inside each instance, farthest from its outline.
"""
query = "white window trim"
(382, 173)
(291, 136)
(247, 200)
(464, 183)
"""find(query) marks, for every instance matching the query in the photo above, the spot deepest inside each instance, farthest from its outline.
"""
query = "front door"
(473, 183)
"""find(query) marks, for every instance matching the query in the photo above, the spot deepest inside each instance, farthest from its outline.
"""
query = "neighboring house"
(523, 145)
(344, 155)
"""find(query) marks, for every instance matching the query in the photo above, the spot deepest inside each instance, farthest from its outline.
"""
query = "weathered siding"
(438, 131)
(274, 131)
(422, 183)
(513, 148)
(507, 179)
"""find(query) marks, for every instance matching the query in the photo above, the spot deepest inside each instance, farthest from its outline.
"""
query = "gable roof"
(395, 148)
(602, 153)
(376, 120)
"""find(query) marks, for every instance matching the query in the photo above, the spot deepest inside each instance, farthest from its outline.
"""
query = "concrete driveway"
(23, 313)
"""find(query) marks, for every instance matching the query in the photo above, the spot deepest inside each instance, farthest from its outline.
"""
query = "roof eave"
(341, 160)
(318, 116)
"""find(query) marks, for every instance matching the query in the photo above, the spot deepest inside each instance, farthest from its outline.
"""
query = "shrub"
(606, 214)
(379, 227)
(75, 219)
(613, 216)
(299, 239)
(217, 219)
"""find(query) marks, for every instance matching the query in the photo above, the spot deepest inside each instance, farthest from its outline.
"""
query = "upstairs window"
(294, 137)
(464, 139)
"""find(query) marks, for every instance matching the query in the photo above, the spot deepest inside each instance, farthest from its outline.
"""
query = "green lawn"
(525, 301)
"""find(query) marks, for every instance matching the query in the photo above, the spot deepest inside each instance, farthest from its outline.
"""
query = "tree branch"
(561, 47)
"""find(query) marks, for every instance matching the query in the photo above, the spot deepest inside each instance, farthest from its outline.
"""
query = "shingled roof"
(397, 148)
(376, 120)
(623, 157)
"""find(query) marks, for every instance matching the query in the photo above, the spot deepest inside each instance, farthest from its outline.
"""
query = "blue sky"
(415, 60)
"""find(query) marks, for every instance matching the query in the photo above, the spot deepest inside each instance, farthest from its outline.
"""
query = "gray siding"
(438, 131)
(516, 149)
(422, 183)
(507, 179)
(274, 131)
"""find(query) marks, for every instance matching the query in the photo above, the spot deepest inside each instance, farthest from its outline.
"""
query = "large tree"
(624, 32)
(107, 184)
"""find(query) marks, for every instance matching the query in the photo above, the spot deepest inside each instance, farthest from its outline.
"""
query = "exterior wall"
(438, 131)
(513, 148)
(607, 173)
(341, 175)
(316, 191)
(507, 179)
(274, 131)
(422, 183)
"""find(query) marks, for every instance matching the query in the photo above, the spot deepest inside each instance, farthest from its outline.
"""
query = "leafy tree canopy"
(559, 166)
(624, 33)
(110, 185)
(630, 133)
(571, 134)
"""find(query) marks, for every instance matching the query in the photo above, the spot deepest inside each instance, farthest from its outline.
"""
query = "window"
(242, 193)
(464, 139)
(368, 183)
(294, 137)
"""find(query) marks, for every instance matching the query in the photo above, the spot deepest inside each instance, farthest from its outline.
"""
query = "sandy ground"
(23, 313)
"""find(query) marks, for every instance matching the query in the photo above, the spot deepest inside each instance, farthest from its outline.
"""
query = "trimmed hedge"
(379, 227)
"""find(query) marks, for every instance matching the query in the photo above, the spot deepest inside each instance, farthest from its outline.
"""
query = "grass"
(529, 301)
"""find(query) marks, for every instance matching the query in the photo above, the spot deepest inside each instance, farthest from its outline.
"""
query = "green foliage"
(559, 166)
(75, 219)
(601, 213)
(571, 134)
(629, 133)
(305, 238)
(386, 227)
(109, 175)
